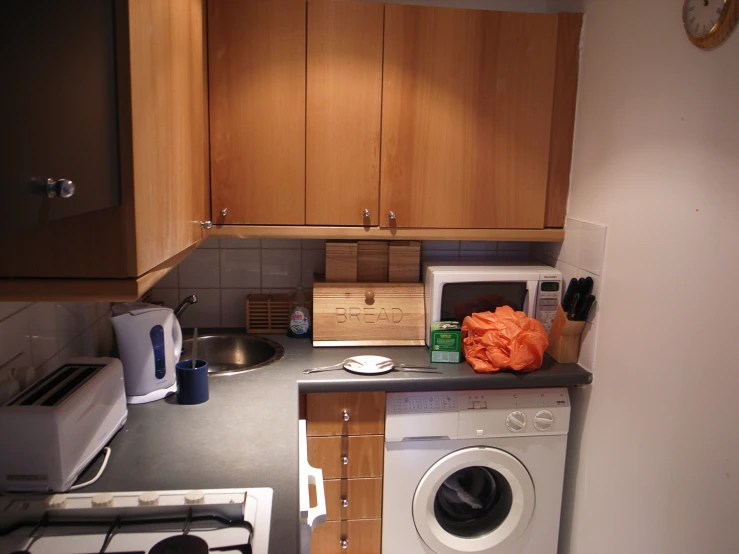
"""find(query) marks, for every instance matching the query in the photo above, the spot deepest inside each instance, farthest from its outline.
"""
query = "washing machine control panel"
(421, 402)
(459, 401)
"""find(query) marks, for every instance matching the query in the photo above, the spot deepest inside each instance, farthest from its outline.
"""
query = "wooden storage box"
(404, 264)
(370, 314)
(564, 338)
(267, 313)
(372, 261)
(341, 261)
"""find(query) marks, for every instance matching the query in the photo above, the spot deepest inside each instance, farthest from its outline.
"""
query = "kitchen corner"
(247, 433)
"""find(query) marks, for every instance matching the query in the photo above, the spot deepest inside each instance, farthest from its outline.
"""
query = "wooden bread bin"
(368, 314)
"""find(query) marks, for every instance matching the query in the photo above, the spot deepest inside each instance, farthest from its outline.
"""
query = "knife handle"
(573, 308)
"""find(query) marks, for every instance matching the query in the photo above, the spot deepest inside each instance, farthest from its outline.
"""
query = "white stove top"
(228, 520)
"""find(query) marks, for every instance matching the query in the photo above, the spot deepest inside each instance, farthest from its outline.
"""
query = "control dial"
(516, 421)
(543, 420)
(149, 498)
(102, 500)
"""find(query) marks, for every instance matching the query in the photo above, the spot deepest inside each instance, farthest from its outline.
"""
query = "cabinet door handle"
(345, 415)
(224, 212)
(391, 215)
(59, 188)
(344, 543)
(345, 460)
(366, 213)
(344, 502)
(206, 224)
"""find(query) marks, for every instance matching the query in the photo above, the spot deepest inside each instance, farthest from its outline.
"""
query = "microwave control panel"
(548, 297)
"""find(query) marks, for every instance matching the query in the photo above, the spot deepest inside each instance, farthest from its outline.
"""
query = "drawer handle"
(345, 415)
(344, 502)
(345, 460)
(344, 543)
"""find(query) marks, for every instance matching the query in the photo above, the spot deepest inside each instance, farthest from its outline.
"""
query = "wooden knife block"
(564, 338)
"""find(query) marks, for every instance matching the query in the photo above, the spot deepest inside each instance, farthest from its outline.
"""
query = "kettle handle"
(177, 336)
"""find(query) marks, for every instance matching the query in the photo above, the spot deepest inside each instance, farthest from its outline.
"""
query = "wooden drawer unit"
(353, 499)
(345, 413)
(359, 536)
(347, 457)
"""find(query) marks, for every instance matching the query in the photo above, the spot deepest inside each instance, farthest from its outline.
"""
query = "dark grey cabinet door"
(58, 113)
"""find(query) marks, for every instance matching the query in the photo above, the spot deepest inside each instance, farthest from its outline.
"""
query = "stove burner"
(180, 544)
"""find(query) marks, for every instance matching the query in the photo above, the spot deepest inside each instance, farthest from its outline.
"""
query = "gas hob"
(148, 522)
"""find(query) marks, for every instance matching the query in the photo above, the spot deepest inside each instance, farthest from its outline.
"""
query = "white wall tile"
(43, 332)
(592, 247)
(314, 261)
(488, 245)
(281, 243)
(207, 311)
(210, 242)
(232, 242)
(241, 268)
(14, 339)
(233, 306)
(477, 255)
(103, 337)
(440, 245)
(569, 251)
(281, 268)
(103, 309)
(516, 246)
(587, 346)
(170, 297)
(440, 255)
(169, 281)
(314, 244)
(72, 318)
(200, 270)
(9, 308)
(568, 272)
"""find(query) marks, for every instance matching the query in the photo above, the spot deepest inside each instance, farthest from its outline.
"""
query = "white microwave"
(453, 291)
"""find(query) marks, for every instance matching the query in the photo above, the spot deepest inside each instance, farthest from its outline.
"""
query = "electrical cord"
(97, 475)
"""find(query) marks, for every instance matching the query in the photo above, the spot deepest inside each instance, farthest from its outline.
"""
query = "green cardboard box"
(446, 342)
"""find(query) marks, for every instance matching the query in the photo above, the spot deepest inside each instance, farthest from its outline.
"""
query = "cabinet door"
(256, 56)
(466, 118)
(58, 110)
(169, 126)
(344, 88)
(362, 536)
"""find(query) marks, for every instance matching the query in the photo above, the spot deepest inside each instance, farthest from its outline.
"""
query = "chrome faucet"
(192, 299)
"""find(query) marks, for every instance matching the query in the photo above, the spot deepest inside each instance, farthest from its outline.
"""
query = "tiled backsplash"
(580, 255)
(47, 334)
(222, 272)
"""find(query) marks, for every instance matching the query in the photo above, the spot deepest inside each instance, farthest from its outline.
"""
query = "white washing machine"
(474, 471)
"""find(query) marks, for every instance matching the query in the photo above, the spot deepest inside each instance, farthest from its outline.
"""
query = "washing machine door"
(476, 499)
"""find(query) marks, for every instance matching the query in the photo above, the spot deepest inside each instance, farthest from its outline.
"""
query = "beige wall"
(654, 463)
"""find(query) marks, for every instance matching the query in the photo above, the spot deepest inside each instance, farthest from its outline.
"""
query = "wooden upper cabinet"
(129, 128)
(466, 119)
(344, 94)
(256, 55)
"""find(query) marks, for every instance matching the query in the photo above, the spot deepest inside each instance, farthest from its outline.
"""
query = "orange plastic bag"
(504, 339)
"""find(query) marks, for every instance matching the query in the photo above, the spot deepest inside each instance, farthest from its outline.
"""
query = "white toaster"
(52, 430)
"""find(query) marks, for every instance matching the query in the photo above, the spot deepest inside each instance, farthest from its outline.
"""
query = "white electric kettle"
(149, 344)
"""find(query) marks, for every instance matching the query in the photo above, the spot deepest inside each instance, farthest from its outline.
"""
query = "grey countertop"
(246, 435)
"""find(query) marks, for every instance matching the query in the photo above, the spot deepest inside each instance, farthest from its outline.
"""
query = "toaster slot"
(57, 386)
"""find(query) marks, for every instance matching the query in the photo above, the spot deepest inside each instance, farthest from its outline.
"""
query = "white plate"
(368, 365)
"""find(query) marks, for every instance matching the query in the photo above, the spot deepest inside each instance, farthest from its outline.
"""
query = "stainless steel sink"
(229, 354)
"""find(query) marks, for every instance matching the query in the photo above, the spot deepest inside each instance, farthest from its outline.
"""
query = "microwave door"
(458, 300)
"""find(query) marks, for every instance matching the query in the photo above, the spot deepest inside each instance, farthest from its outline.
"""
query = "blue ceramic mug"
(192, 384)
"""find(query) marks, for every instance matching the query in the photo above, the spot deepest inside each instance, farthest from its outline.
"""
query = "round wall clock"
(709, 22)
